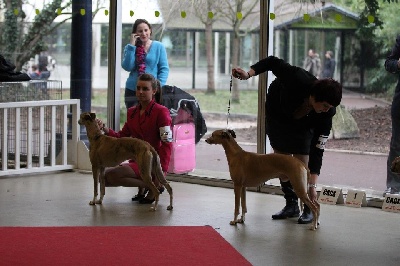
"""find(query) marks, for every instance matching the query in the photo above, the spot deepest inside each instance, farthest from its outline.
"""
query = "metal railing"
(24, 128)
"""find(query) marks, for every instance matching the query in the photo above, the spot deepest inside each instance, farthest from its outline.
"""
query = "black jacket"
(392, 67)
(329, 68)
(177, 100)
(304, 135)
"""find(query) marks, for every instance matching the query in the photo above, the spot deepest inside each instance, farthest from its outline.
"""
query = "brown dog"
(395, 167)
(249, 169)
(107, 151)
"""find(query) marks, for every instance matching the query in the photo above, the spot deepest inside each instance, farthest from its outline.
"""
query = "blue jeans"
(393, 179)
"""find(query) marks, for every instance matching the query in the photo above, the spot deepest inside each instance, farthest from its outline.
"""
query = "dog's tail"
(156, 167)
(158, 172)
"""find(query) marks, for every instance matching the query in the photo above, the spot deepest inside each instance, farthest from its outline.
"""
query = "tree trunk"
(210, 59)
(235, 63)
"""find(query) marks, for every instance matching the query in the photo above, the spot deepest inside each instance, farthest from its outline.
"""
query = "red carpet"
(121, 245)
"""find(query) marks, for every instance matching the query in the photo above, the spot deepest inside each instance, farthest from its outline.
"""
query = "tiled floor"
(347, 236)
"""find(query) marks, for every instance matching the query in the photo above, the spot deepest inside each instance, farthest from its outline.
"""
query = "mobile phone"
(132, 39)
(138, 41)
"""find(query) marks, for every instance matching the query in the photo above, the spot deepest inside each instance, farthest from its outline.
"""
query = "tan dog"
(107, 151)
(249, 169)
(395, 167)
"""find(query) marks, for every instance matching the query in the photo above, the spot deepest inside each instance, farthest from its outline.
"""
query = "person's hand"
(240, 74)
(101, 125)
(312, 193)
(134, 38)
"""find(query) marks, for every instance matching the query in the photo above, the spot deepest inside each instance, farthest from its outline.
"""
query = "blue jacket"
(156, 64)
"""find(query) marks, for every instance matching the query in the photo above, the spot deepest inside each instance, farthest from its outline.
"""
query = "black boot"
(306, 217)
(292, 206)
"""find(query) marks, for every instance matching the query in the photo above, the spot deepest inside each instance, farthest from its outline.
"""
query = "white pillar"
(227, 52)
(277, 45)
(216, 57)
(197, 34)
(290, 47)
(96, 31)
(188, 43)
(337, 51)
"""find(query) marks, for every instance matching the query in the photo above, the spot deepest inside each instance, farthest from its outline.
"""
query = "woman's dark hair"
(327, 90)
(140, 21)
(158, 95)
(149, 77)
(155, 84)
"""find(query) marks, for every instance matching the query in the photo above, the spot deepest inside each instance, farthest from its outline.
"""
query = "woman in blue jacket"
(143, 55)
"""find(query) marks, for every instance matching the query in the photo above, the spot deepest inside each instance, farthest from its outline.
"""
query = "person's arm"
(125, 131)
(162, 66)
(278, 66)
(392, 63)
(129, 59)
(164, 120)
(322, 130)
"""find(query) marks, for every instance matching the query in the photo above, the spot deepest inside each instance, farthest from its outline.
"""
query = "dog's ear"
(224, 134)
(93, 116)
(85, 116)
(233, 134)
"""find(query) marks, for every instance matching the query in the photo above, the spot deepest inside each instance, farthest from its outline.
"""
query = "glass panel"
(359, 52)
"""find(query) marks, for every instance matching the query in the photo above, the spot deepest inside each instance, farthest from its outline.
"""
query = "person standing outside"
(143, 55)
(392, 65)
(149, 121)
(312, 63)
(299, 111)
(329, 65)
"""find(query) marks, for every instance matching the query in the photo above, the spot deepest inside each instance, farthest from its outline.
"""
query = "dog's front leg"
(102, 185)
(238, 191)
(244, 206)
(95, 185)
(316, 214)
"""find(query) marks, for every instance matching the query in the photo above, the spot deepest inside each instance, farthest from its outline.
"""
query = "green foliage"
(21, 40)
(217, 102)
(11, 28)
(376, 40)
(381, 81)
(366, 33)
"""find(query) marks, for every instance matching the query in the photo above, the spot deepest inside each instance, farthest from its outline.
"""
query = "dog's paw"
(233, 222)
(314, 227)
(92, 202)
(99, 201)
(153, 209)
(169, 208)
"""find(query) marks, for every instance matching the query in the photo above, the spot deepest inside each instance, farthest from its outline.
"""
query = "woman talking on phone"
(143, 55)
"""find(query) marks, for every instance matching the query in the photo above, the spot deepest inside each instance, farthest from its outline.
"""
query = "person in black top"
(329, 65)
(299, 111)
(392, 65)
